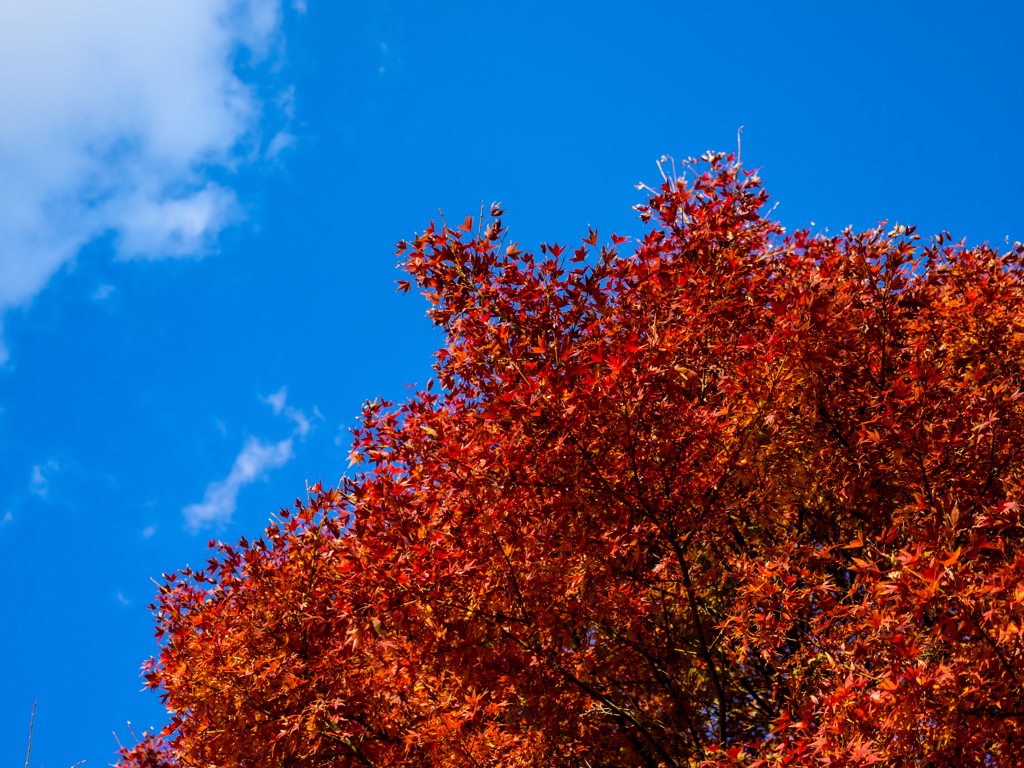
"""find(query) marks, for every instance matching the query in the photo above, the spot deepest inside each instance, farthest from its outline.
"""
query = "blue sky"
(199, 201)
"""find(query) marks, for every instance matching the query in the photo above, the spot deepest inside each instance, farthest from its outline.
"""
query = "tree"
(733, 498)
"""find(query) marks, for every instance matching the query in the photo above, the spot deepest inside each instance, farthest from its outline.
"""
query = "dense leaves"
(731, 498)
(151, 752)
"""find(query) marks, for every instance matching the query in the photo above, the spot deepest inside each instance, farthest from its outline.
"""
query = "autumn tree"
(727, 497)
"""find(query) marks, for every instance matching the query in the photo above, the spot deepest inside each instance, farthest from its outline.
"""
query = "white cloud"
(149, 531)
(39, 483)
(7, 518)
(122, 599)
(302, 425)
(103, 292)
(284, 138)
(300, 6)
(175, 227)
(277, 402)
(280, 142)
(115, 115)
(221, 498)
(253, 462)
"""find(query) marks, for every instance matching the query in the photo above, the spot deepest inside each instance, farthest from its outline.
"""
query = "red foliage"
(151, 752)
(733, 498)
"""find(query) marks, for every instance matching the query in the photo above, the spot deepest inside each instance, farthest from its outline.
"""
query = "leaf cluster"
(730, 498)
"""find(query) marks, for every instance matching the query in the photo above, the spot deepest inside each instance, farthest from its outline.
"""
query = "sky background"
(199, 201)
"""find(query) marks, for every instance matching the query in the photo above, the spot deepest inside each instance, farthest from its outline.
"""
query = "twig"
(31, 724)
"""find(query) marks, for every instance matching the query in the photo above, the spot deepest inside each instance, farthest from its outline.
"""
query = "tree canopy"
(718, 496)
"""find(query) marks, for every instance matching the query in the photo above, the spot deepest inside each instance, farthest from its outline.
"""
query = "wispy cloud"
(256, 458)
(39, 483)
(277, 402)
(282, 141)
(6, 519)
(221, 498)
(284, 138)
(117, 115)
(149, 531)
(102, 292)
